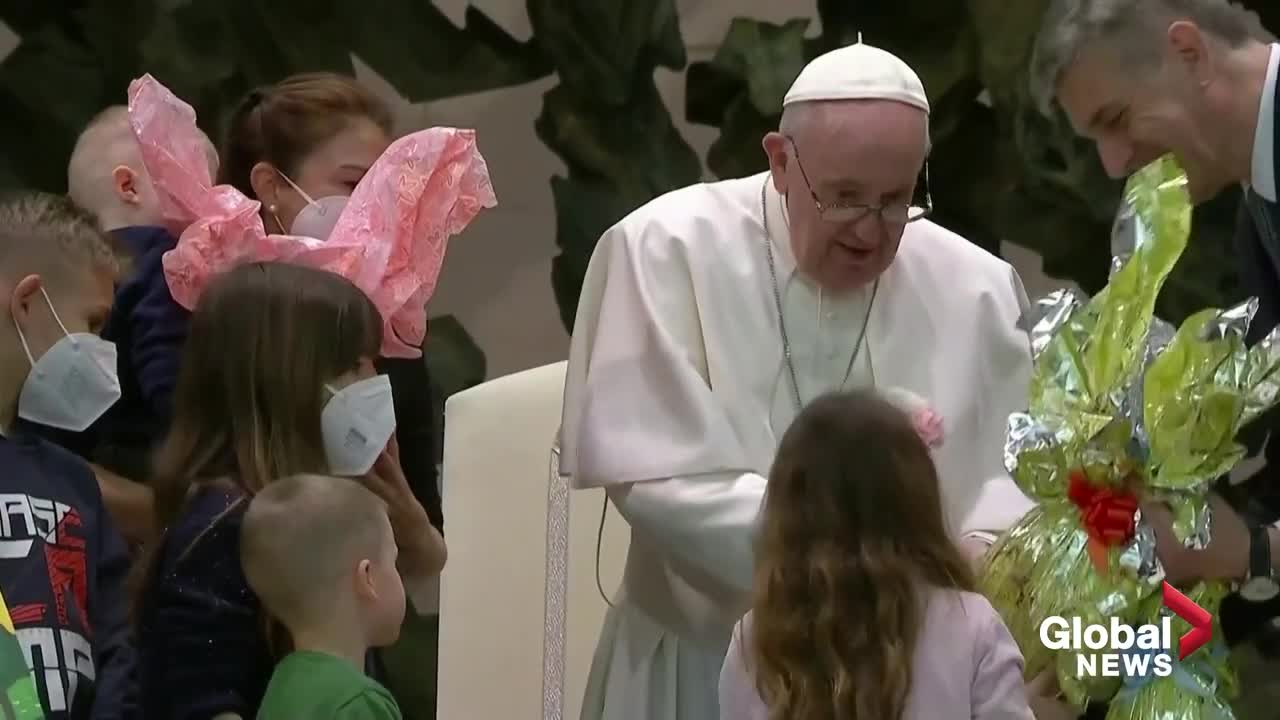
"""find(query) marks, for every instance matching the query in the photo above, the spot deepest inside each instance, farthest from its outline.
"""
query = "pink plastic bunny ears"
(389, 241)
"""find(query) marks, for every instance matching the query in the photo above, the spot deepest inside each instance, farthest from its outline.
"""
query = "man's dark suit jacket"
(1259, 268)
(1259, 496)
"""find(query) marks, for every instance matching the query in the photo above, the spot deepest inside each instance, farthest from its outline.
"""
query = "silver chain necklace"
(782, 323)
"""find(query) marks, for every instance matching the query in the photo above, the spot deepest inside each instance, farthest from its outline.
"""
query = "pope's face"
(1134, 117)
(866, 153)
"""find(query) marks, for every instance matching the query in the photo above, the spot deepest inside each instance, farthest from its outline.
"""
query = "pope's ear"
(775, 149)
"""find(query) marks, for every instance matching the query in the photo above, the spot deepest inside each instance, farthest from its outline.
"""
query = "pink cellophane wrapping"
(389, 241)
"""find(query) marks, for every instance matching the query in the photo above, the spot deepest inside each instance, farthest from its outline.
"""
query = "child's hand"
(386, 479)
(421, 546)
(393, 449)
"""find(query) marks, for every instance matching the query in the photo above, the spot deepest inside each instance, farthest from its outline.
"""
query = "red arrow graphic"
(1200, 619)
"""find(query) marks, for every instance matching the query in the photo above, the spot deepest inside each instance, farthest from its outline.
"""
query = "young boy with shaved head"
(62, 565)
(319, 553)
(107, 177)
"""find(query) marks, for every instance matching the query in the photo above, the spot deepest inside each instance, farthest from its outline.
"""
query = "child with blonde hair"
(320, 554)
(107, 177)
(64, 565)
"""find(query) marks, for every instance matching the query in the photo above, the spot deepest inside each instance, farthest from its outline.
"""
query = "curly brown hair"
(852, 529)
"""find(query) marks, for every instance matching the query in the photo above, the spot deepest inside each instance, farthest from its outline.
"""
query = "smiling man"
(1199, 79)
(711, 315)
(1142, 78)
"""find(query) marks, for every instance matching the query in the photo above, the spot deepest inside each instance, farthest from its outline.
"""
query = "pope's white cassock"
(678, 392)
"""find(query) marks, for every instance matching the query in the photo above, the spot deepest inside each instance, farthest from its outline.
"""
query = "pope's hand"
(1046, 700)
(1226, 557)
(422, 549)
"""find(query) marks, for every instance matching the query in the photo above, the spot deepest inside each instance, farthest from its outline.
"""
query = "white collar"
(1263, 177)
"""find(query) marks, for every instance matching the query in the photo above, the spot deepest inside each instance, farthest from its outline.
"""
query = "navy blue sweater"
(202, 643)
(63, 569)
(149, 329)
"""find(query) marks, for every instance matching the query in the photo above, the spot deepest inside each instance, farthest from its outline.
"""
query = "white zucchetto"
(858, 72)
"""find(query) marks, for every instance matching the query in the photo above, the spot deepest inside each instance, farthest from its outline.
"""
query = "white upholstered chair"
(520, 611)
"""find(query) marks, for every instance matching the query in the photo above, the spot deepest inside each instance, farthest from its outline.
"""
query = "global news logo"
(1119, 650)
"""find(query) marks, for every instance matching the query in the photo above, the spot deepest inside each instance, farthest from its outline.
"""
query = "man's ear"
(265, 181)
(124, 181)
(1187, 44)
(776, 150)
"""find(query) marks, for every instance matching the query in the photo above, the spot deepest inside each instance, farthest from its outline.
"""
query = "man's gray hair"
(1071, 25)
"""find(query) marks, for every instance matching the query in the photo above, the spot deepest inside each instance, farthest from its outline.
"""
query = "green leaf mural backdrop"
(1001, 171)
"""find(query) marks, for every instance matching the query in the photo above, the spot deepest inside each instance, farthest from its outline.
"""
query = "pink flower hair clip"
(926, 420)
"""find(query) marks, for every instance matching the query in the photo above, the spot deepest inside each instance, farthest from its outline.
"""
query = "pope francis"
(713, 313)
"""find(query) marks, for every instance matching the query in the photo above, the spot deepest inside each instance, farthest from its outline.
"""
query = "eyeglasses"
(895, 215)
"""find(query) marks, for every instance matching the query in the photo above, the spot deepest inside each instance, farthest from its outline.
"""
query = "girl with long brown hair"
(276, 380)
(863, 607)
(310, 156)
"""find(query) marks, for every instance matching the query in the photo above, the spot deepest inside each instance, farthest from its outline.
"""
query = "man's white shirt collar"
(1263, 178)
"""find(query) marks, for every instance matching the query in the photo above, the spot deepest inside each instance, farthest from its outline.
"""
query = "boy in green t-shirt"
(319, 553)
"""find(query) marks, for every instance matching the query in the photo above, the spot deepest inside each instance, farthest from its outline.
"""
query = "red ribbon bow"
(1106, 513)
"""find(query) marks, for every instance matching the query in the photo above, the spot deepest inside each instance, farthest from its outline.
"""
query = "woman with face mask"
(277, 380)
(300, 147)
